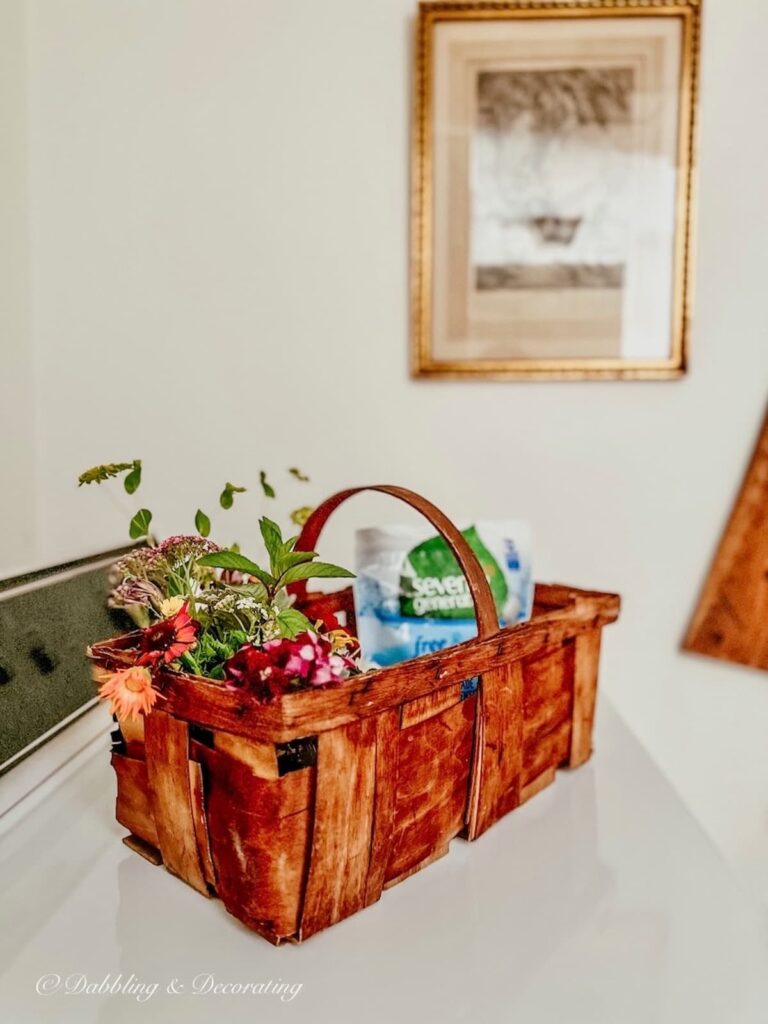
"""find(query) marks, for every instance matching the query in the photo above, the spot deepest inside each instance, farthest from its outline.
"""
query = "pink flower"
(306, 660)
(310, 658)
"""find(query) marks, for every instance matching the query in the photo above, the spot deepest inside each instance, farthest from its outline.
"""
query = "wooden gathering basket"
(300, 812)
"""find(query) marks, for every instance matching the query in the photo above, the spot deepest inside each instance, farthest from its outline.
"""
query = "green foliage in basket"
(232, 600)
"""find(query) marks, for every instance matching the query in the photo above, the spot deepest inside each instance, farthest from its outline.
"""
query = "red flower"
(168, 639)
(253, 669)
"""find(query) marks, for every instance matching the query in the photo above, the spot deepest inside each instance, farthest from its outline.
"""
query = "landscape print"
(550, 169)
(553, 173)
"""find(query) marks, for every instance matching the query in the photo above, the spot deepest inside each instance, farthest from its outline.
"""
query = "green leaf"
(233, 560)
(314, 570)
(273, 541)
(202, 523)
(226, 498)
(298, 474)
(292, 622)
(139, 526)
(291, 558)
(133, 479)
(301, 515)
(98, 474)
(267, 487)
(255, 590)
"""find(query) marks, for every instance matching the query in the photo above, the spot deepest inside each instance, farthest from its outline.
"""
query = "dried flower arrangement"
(213, 612)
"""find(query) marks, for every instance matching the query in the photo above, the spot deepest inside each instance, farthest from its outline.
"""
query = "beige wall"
(17, 434)
(219, 227)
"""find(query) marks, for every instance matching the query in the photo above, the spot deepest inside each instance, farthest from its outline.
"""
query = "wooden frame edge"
(724, 553)
(422, 366)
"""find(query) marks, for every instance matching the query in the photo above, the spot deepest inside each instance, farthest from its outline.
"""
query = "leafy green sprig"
(138, 528)
(230, 613)
(286, 566)
(98, 474)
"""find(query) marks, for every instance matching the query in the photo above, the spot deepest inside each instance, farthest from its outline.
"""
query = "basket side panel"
(343, 826)
(584, 695)
(261, 758)
(132, 733)
(259, 833)
(166, 742)
(134, 811)
(546, 753)
(432, 786)
(525, 730)
(387, 771)
(548, 707)
(548, 690)
(499, 749)
(200, 822)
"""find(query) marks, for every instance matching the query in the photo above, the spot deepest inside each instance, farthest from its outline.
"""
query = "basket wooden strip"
(133, 809)
(535, 786)
(260, 835)
(260, 757)
(432, 788)
(385, 788)
(307, 713)
(344, 815)
(167, 751)
(200, 823)
(498, 771)
(584, 695)
(548, 689)
(549, 751)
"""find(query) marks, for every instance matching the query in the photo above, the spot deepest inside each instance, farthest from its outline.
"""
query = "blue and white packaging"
(411, 597)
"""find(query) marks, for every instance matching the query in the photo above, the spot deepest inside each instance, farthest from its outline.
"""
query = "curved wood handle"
(482, 597)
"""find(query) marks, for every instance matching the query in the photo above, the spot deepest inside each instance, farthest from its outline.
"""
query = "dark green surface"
(44, 674)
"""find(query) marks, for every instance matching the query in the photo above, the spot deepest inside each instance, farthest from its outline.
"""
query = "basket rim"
(206, 702)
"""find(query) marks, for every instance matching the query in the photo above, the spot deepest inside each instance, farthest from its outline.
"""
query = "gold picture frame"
(477, 65)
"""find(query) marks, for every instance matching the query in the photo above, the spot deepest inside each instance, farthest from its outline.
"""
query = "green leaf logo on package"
(432, 584)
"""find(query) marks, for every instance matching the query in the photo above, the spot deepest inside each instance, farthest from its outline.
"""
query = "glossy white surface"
(600, 902)
(34, 776)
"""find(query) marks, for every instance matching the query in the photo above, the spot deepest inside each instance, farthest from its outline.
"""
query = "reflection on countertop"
(600, 901)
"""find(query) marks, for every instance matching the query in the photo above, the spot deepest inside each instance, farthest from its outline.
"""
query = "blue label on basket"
(468, 687)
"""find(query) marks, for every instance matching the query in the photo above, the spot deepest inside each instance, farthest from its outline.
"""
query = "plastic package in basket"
(411, 597)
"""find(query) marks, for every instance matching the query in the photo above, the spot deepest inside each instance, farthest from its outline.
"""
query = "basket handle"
(482, 597)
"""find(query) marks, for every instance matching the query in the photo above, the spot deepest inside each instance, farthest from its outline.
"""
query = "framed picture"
(552, 188)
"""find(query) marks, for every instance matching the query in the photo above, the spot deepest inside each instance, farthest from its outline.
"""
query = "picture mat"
(631, 322)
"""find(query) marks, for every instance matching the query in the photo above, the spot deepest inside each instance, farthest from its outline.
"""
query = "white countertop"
(600, 902)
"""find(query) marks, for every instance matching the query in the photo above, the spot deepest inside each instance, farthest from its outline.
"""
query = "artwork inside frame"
(552, 188)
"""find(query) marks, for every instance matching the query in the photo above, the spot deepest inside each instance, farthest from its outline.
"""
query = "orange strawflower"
(129, 691)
